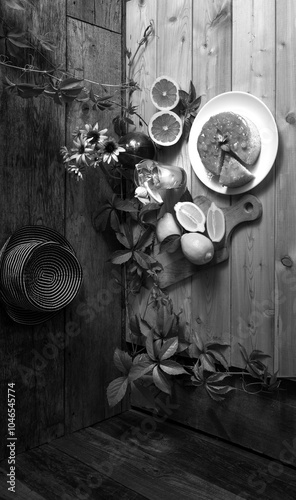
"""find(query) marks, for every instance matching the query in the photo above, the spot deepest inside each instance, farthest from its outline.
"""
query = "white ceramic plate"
(251, 107)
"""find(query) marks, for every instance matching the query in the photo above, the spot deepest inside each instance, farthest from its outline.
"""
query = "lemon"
(215, 223)
(190, 216)
(166, 226)
(197, 248)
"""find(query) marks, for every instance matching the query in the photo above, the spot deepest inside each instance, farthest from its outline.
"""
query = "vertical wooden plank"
(285, 187)
(32, 192)
(211, 76)
(103, 13)
(96, 314)
(82, 9)
(108, 14)
(142, 67)
(253, 71)
(174, 49)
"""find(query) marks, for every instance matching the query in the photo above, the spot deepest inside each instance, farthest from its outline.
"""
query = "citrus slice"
(215, 223)
(165, 128)
(197, 248)
(164, 93)
(190, 216)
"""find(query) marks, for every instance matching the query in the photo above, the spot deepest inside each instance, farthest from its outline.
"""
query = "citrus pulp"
(215, 223)
(190, 216)
(165, 128)
(164, 93)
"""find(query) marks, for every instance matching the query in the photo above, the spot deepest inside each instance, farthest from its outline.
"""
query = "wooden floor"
(133, 456)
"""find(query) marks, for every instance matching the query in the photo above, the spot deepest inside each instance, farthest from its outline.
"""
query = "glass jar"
(154, 175)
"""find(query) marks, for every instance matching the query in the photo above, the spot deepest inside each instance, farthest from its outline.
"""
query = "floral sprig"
(90, 148)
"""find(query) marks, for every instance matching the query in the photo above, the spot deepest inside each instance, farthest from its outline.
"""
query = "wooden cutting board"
(176, 267)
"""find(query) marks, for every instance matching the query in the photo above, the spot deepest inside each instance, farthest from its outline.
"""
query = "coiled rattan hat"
(39, 274)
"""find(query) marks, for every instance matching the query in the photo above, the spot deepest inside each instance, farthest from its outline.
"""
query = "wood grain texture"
(141, 65)
(153, 476)
(253, 295)
(285, 250)
(96, 313)
(104, 13)
(264, 423)
(53, 475)
(236, 470)
(211, 59)
(138, 456)
(32, 192)
(174, 49)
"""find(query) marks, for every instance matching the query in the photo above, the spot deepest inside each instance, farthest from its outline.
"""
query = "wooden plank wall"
(247, 46)
(62, 367)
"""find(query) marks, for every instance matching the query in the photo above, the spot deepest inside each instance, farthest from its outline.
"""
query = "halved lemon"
(215, 223)
(164, 93)
(190, 216)
(165, 128)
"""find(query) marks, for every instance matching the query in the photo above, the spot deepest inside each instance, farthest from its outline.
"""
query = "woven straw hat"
(39, 274)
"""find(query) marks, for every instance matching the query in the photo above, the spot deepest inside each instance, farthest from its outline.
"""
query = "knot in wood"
(291, 118)
(287, 261)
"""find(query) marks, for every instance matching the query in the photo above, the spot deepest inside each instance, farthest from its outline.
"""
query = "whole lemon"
(166, 226)
(197, 248)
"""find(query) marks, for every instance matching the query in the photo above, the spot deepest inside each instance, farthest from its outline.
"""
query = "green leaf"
(144, 260)
(116, 390)
(142, 395)
(218, 357)
(121, 256)
(122, 361)
(170, 244)
(18, 39)
(161, 381)
(217, 393)
(244, 353)
(206, 362)
(150, 346)
(27, 90)
(71, 84)
(172, 367)
(258, 355)
(140, 369)
(198, 340)
(217, 377)
(146, 239)
(168, 349)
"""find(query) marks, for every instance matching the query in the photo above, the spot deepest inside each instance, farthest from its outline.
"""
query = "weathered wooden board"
(252, 282)
(32, 192)
(153, 476)
(285, 279)
(104, 13)
(176, 267)
(96, 313)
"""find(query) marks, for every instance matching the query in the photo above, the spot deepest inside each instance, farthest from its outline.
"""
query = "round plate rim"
(205, 113)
